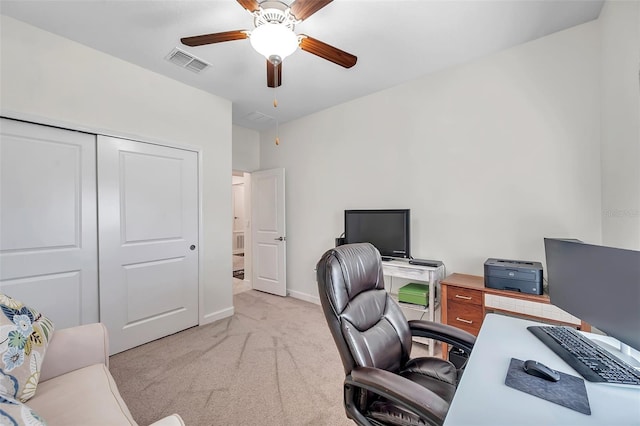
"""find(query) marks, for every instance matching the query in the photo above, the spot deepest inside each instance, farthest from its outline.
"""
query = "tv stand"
(397, 268)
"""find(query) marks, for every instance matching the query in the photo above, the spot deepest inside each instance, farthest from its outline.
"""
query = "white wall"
(246, 149)
(56, 81)
(490, 157)
(620, 26)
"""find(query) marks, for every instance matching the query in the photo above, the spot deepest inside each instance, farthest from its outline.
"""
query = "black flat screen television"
(387, 230)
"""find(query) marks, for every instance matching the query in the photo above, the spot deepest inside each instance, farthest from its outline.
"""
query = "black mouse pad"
(569, 391)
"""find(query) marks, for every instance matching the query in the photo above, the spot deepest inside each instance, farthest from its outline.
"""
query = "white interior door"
(269, 248)
(148, 229)
(48, 228)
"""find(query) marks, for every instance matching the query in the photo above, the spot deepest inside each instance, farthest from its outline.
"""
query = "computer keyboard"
(590, 360)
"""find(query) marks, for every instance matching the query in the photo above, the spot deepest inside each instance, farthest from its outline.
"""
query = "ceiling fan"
(274, 37)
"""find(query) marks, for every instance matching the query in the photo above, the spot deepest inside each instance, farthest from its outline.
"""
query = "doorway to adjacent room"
(239, 236)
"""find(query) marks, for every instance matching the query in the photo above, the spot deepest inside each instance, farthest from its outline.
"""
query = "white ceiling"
(395, 41)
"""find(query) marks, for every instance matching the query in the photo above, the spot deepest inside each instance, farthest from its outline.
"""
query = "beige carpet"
(240, 286)
(273, 363)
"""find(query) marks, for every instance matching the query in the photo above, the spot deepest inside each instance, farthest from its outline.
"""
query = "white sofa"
(75, 385)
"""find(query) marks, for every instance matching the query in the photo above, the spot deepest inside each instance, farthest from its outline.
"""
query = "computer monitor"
(598, 284)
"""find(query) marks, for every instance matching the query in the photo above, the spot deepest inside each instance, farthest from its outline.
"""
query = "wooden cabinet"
(464, 308)
(465, 302)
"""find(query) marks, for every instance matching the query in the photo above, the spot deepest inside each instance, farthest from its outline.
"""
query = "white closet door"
(148, 228)
(48, 248)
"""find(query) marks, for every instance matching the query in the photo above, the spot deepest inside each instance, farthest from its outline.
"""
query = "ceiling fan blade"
(214, 38)
(302, 9)
(274, 74)
(250, 5)
(327, 52)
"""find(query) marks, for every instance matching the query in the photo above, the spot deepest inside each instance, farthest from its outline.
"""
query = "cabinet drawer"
(465, 315)
(464, 295)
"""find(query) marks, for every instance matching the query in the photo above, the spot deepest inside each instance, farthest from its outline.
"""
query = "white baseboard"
(304, 296)
(215, 316)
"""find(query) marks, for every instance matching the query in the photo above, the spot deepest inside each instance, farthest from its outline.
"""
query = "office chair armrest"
(443, 333)
(414, 397)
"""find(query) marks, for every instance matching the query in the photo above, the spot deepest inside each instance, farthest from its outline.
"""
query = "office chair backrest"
(368, 327)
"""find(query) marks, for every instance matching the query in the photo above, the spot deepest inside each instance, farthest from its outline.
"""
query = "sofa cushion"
(24, 336)
(15, 413)
(83, 397)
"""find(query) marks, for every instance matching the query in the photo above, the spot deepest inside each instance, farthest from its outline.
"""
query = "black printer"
(517, 275)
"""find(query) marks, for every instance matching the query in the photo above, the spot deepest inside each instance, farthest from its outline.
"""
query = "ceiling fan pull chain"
(275, 101)
(275, 105)
(275, 86)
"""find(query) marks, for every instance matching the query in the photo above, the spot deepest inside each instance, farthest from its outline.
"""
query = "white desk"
(428, 274)
(482, 397)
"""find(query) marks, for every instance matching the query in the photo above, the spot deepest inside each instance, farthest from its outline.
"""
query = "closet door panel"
(48, 220)
(148, 220)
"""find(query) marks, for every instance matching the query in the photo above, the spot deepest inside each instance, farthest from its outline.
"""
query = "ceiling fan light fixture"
(274, 40)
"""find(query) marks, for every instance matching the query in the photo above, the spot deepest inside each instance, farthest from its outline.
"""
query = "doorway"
(261, 200)
(240, 232)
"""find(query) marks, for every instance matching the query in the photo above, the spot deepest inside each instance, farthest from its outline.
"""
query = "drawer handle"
(464, 297)
(464, 320)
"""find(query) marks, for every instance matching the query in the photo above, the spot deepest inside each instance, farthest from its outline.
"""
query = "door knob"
(192, 247)
(280, 239)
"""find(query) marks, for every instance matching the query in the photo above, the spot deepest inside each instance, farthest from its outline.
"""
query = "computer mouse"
(538, 369)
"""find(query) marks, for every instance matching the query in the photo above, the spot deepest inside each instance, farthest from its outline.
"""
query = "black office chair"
(382, 385)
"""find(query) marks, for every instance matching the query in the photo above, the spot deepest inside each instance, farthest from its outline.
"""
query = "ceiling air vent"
(185, 60)
(258, 117)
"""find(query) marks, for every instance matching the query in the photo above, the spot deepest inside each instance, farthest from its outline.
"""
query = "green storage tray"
(415, 293)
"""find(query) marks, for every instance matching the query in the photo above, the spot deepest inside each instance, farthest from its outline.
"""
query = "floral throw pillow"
(15, 413)
(24, 336)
